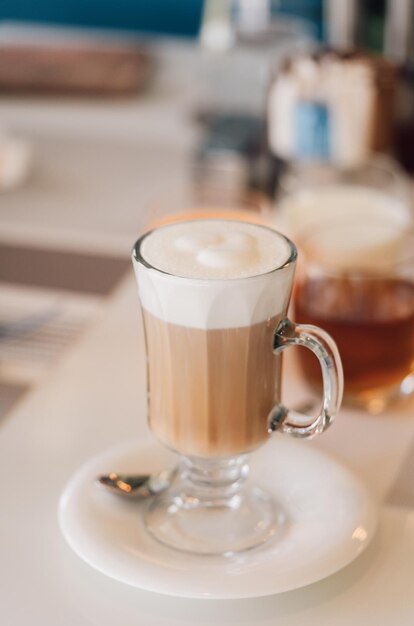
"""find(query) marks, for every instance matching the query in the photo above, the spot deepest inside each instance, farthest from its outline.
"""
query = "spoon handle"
(127, 484)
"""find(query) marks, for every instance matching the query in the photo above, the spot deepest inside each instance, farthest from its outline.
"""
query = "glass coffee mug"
(356, 278)
(215, 328)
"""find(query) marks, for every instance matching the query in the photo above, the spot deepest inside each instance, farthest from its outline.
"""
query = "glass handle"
(323, 346)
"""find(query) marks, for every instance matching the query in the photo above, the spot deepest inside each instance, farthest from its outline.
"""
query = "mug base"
(212, 518)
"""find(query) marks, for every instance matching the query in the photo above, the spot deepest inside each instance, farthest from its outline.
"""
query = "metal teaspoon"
(137, 486)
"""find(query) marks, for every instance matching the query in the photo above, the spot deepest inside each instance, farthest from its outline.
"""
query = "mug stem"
(214, 481)
(211, 508)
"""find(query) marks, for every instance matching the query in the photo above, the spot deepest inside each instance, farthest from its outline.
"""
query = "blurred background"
(118, 115)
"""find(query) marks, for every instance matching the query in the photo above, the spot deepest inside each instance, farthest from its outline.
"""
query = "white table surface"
(95, 399)
(96, 396)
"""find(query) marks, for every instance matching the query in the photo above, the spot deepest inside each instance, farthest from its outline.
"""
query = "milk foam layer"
(349, 226)
(211, 249)
(214, 273)
(313, 206)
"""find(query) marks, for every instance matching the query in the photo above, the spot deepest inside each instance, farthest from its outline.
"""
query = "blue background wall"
(173, 17)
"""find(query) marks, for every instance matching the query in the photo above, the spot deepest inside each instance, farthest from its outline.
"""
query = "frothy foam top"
(215, 249)
(309, 207)
(191, 255)
(348, 227)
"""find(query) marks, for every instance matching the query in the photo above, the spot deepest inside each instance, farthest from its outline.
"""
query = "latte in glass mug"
(214, 295)
(213, 378)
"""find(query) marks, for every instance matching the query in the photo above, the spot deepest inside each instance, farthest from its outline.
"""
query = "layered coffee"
(212, 300)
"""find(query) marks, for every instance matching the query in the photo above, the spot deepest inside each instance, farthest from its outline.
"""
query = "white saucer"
(330, 520)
